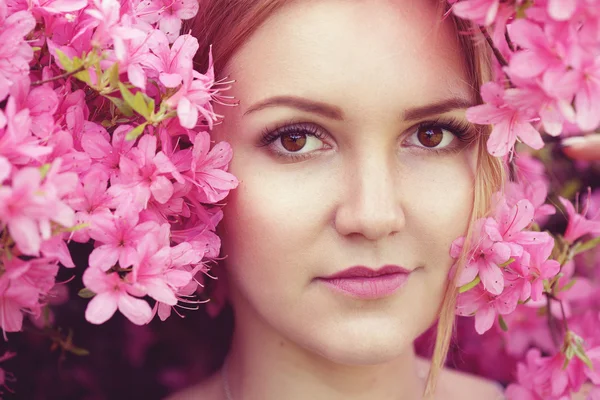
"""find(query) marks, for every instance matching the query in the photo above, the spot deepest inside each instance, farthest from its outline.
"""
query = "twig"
(490, 42)
(55, 78)
(551, 324)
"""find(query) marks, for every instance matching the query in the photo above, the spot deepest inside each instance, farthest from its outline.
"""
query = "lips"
(367, 283)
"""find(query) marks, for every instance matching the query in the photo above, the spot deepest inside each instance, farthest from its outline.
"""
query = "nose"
(371, 204)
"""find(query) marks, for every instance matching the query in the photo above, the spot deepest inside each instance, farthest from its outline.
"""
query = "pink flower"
(168, 14)
(153, 274)
(481, 11)
(171, 64)
(488, 252)
(540, 267)
(105, 151)
(117, 235)
(485, 306)
(147, 172)
(509, 123)
(27, 210)
(587, 99)
(209, 169)
(579, 225)
(15, 53)
(112, 294)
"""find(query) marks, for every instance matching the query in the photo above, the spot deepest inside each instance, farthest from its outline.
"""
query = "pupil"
(293, 141)
(430, 137)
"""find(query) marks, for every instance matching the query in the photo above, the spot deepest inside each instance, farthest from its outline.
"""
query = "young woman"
(357, 170)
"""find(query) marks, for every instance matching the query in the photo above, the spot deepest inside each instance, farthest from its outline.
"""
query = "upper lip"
(366, 272)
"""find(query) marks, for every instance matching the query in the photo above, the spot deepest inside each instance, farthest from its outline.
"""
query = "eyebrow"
(333, 112)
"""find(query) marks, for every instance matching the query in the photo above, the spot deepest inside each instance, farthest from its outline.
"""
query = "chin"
(362, 347)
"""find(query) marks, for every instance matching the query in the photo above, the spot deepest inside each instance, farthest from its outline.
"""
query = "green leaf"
(136, 102)
(585, 246)
(78, 351)
(65, 61)
(470, 285)
(121, 105)
(86, 293)
(135, 132)
(502, 323)
(75, 227)
(44, 170)
(580, 353)
(568, 285)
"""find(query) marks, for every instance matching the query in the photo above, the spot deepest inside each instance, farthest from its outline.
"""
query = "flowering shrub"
(105, 157)
(104, 139)
(535, 281)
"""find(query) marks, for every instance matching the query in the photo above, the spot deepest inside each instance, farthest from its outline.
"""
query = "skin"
(366, 193)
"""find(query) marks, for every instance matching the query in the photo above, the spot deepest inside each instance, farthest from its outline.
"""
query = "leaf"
(470, 285)
(502, 323)
(585, 246)
(44, 170)
(78, 351)
(568, 285)
(65, 61)
(136, 102)
(121, 105)
(75, 227)
(135, 132)
(86, 293)
(580, 353)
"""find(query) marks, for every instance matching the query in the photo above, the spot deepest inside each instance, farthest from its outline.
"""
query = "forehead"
(378, 56)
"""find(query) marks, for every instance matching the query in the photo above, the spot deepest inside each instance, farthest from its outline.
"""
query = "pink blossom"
(488, 252)
(147, 172)
(486, 306)
(117, 235)
(481, 11)
(171, 63)
(509, 123)
(112, 294)
(579, 225)
(27, 210)
(209, 169)
(15, 53)
(168, 14)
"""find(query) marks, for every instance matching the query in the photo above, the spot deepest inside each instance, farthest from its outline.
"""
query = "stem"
(490, 42)
(564, 315)
(551, 324)
(511, 45)
(55, 78)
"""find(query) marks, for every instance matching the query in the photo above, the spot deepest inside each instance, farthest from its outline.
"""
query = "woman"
(357, 170)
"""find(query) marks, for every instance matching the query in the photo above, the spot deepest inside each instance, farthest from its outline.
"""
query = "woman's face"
(352, 149)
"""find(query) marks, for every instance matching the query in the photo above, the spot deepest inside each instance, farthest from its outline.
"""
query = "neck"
(264, 365)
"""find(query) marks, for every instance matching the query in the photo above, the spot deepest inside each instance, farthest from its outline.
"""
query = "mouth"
(366, 283)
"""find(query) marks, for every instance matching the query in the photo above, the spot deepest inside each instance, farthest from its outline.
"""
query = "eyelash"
(462, 130)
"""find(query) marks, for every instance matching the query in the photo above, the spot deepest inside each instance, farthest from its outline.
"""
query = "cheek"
(438, 204)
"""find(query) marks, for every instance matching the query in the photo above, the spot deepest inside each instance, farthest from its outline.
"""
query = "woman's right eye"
(294, 141)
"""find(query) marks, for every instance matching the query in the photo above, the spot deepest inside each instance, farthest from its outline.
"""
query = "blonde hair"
(227, 24)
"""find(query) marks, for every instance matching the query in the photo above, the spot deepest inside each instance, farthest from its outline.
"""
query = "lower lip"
(368, 288)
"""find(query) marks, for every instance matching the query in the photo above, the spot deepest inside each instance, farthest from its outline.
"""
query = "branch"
(55, 78)
(490, 42)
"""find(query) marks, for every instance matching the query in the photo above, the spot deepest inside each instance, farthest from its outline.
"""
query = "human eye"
(294, 141)
(441, 136)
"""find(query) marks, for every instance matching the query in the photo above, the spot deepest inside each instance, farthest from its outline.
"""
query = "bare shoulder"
(464, 386)
(457, 385)
(209, 389)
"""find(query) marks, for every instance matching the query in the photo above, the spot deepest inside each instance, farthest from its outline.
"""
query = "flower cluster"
(548, 70)
(529, 280)
(104, 139)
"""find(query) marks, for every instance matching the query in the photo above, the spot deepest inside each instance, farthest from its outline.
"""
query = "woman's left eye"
(432, 137)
